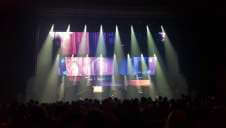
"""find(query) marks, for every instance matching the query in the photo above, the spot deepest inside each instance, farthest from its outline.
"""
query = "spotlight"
(118, 45)
(101, 28)
(163, 36)
(68, 28)
(51, 32)
(52, 27)
(85, 28)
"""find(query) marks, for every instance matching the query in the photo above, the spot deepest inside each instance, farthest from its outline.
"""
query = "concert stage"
(97, 65)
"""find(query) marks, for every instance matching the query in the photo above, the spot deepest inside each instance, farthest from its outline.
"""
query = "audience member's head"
(114, 112)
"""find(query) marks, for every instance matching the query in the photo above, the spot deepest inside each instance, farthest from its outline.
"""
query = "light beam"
(84, 45)
(118, 45)
(68, 28)
(101, 49)
(177, 79)
(135, 50)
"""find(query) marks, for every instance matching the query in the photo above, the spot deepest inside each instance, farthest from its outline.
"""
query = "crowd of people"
(115, 113)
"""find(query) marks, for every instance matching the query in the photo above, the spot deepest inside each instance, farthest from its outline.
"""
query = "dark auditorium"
(112, 64)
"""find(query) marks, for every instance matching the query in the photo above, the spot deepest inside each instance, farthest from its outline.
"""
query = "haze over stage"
(75, 65)
(188, 24)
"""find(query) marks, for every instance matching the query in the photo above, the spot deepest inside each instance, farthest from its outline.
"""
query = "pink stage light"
(139, 83)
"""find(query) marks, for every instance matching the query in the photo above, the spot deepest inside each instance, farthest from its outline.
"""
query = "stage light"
(51, 32)
(163, 33)
(43, 67)
(47, 72)
(101, 49)
(150, 42)
(118, 45)
(171, 55)
(162, 85)
(129, 66)
(97, 89)
(101, 28)
(135, 50)
(144, 67)
(52, 82)
(52, 28)
(173, 68)
(85, 28)
(68, 28)
(163, 36)
(115, 66)
(64, 35)
(45, 54)
(115, 76)
(84, 45)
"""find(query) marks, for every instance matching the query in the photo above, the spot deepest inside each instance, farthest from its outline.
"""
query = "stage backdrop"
(75, 47)
(86, 66)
